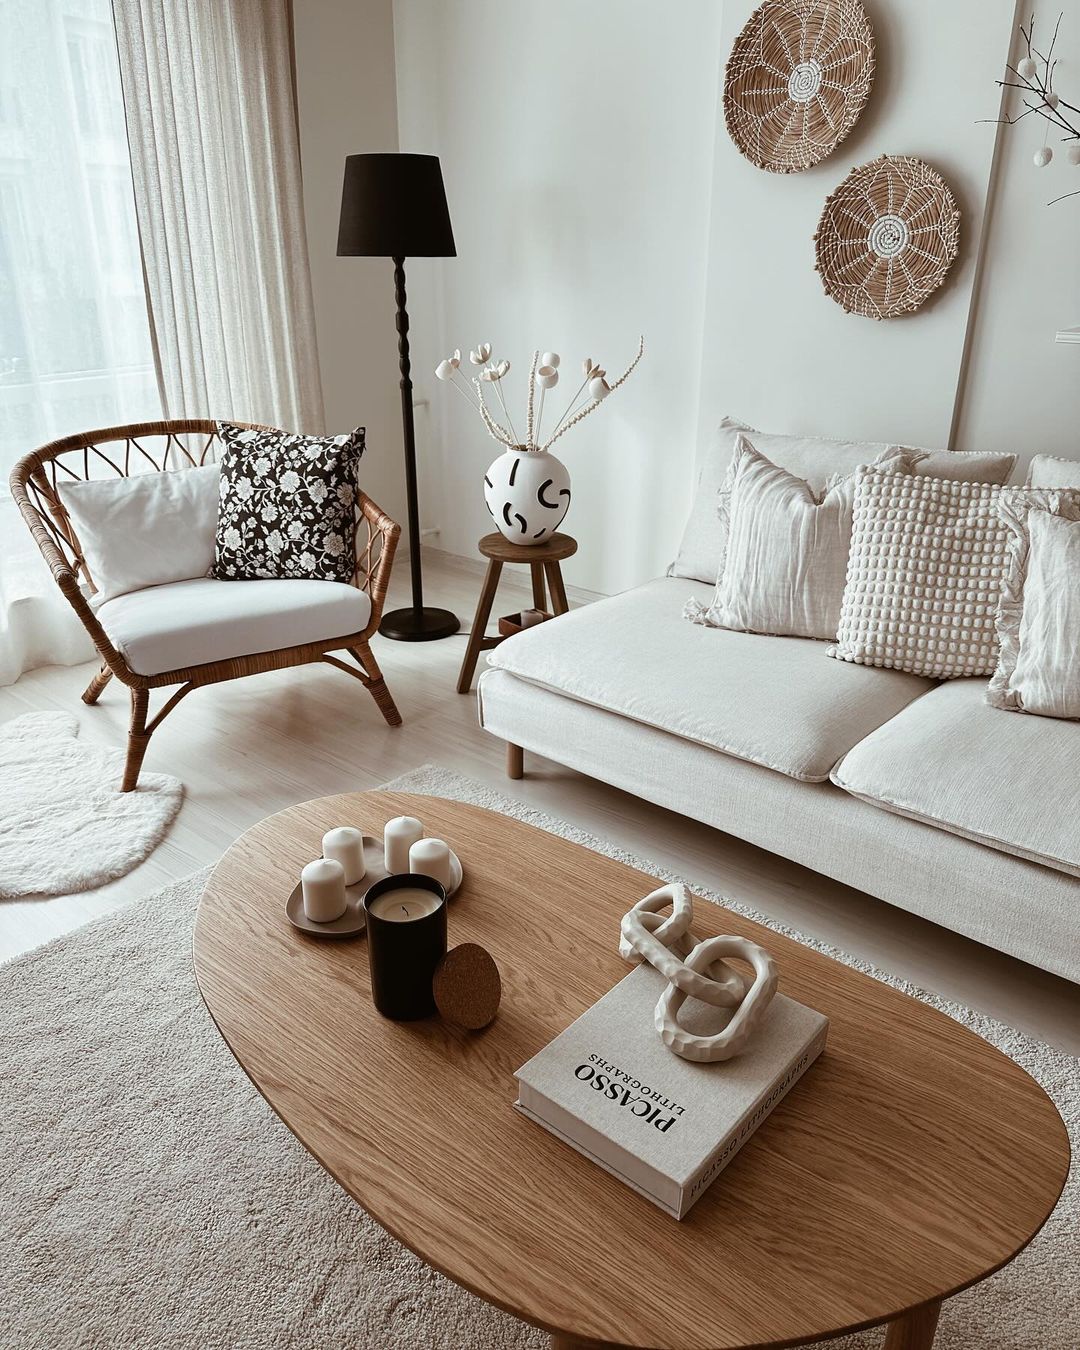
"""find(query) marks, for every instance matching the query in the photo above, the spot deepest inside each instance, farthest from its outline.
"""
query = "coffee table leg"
(915, 1330)
(567, 1342)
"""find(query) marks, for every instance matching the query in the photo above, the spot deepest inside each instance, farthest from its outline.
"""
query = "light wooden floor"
(254, 746)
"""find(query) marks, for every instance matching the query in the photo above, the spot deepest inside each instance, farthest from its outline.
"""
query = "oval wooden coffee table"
(913, 1159)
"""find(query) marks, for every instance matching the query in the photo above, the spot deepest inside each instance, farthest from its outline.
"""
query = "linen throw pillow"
(144, 530)
(1038, 620)
(924, 576)
(815, 459)
(287, 507)
(785, 556)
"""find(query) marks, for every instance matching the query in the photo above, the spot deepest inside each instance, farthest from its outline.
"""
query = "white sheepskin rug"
(65, 826)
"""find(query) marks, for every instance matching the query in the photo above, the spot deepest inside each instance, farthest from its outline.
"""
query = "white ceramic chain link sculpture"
(697, 970)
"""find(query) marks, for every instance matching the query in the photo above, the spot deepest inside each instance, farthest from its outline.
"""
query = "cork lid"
(467, 987)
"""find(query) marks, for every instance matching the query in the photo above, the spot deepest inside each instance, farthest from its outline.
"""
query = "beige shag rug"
(151, 1199)
(65, 826)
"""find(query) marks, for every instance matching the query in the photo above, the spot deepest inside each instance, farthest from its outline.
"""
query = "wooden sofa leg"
(515, 761)
(96, 685)
(138, 739)
(376, 685)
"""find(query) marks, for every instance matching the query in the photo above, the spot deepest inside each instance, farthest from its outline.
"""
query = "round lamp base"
(425, 625)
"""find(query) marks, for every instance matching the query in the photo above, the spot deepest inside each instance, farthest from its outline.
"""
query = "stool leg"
(539, 600)
(479, 627)
(555, 586)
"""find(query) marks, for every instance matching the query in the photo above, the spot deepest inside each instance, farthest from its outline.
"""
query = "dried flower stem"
(596, 402)
(570, 407)
(531, 441)
(496, 432)
(506, 410)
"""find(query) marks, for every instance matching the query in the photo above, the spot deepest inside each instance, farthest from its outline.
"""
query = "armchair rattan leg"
(376, 685)
(96, 685)
(138, 739)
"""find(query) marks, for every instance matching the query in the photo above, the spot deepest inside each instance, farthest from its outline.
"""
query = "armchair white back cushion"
(814, 459)
(144, 530)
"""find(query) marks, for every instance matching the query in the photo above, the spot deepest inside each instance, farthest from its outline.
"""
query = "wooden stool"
(543, 559)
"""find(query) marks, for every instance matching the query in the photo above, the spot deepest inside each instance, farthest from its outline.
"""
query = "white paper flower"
(481, 355)
(547, 377)
(587, 367)
(550, 359)
(599, 388)
(444, 370)
(494, 373)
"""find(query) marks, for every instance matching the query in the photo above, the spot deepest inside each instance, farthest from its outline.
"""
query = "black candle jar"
(403, 952)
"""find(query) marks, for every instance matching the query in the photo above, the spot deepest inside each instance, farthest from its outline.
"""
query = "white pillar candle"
(346, 846)
(404, 904)
(323, 884)
(398, 837)
(431, 857)
(531, 617)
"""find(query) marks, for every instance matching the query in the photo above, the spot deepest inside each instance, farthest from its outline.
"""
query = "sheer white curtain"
(211, 118)
(75, 350)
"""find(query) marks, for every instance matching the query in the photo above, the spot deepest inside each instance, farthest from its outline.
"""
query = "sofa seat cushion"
(189, 623)
(999, 778)
(775, 701)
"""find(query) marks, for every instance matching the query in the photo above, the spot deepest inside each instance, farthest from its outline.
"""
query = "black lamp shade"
(394, 206)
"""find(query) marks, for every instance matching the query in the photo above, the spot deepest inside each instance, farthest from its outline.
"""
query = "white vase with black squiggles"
(528, 494)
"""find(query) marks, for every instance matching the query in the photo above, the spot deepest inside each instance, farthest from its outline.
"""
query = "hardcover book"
(666, 1126)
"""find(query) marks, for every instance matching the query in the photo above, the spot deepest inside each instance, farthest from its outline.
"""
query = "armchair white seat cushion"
(951, 760)
(191, 623)
(775, 701)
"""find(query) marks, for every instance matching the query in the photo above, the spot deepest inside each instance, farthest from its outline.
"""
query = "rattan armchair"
(148, 446)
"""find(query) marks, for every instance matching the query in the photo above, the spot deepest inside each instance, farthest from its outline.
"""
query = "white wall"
(595, 194)
(347, 104)
(576, 144)
(784, 355)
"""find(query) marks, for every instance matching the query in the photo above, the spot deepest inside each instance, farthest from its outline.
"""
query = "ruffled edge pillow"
(1038, 618)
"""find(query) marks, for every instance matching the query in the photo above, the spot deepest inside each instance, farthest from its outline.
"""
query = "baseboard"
(512, 576)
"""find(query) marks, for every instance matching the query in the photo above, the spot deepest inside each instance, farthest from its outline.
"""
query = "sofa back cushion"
(1048, 471)
(814, 459)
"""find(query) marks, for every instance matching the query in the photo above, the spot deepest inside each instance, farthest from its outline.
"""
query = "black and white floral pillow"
(287, 505)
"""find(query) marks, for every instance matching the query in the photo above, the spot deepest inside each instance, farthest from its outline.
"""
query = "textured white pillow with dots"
(925, 573)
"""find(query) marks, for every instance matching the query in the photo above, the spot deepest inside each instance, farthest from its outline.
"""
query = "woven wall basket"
(797, 79)
(887, 237)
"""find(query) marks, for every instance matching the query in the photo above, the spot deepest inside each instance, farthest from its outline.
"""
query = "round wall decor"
(887, 237)
(797, 79)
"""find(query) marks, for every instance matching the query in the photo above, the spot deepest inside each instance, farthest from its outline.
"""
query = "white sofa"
(913, 791)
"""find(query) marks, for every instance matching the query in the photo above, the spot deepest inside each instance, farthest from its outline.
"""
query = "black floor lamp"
(394, 206)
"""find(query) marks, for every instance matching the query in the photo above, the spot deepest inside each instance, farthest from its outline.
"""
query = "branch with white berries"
(1033, 74)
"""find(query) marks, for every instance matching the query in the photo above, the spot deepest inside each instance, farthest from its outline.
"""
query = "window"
(75, 346)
